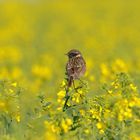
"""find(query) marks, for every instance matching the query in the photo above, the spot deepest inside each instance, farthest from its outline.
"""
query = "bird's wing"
(79, 63)
(69, 69)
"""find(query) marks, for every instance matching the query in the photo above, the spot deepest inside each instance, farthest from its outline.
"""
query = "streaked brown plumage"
(75, 67)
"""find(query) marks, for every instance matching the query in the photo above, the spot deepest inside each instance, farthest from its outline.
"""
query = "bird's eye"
(72, 54)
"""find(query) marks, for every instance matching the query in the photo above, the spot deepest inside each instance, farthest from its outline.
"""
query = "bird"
(75, 69)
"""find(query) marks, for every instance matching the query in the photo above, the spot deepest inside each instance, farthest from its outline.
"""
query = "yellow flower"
(64, 126)
(61, 94)
(95, 114)
(14, 84)
(120, 117)
(18, 118)
(11, 91)
(54, 128)
(119, 65)
(131, 103)
(86, 131)
(110, 91)
(82, 112)
(101, 131)
(59, 100)
(116, 86)
(104, 69)
(50, 133)
(77, 100)
(134, 88)
(69, 121)
(2, 104)
(59, 108)
(99, 125)
(63, 83)
(16, 73)
(125, 101)
(137, 101)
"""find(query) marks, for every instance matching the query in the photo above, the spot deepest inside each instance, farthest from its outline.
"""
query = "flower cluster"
(106, 115)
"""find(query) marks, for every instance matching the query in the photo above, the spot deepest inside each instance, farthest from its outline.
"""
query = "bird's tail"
(70, 80)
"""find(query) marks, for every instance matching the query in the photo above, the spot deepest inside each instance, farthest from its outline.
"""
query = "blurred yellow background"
(35, 35)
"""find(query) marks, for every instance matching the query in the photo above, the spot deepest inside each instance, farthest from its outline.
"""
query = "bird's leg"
(76, 88)
(71, 82)
(73, 85)
(67, 91)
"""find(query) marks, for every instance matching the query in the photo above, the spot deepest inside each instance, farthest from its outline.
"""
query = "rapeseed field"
(35, 35)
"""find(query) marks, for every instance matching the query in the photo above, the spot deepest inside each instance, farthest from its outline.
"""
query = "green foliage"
(113, 115)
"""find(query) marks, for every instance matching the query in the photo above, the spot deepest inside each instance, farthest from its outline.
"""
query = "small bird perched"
(75, 68)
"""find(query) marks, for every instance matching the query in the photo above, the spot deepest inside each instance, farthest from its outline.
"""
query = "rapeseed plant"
(34, 36)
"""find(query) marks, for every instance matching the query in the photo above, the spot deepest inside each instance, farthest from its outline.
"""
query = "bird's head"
(73, 53)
